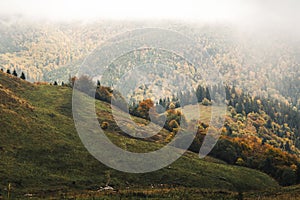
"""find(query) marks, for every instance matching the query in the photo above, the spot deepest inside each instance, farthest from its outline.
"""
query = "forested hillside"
(263, 65)
(41, 153)
(259, 133)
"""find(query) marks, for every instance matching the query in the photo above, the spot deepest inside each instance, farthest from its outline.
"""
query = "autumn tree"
(104, 94)
(72, 81)
(174, 115)
(144, 108)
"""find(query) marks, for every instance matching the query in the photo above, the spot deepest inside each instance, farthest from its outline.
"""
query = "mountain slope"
(41, 152)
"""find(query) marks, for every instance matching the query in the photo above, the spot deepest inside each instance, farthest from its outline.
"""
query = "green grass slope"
(42, 154)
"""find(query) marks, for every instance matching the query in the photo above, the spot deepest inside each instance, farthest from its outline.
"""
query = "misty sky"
(208, 10)
(281, 16)
(124, 9)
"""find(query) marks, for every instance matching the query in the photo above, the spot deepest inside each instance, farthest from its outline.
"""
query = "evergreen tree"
(227, 92)
(247, 105)
(228, 128)
(55, 83)
(287, 147)
(8, 71)
(14, 73)
(23, 76)
(233, 91)
(269, 124)
(239, 107)
(160, 102)
(255, 106)
(200, 93)
(207, 94)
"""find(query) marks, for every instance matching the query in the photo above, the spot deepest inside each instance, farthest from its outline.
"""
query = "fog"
(129, 9)
(262, 34)
(212, 10)
(274, 16)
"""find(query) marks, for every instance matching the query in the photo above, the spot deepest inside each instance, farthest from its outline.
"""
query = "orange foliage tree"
(144, 108)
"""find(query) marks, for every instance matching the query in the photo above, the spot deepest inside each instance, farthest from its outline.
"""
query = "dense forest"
(260, 133)
(261, 83)
(54, 51)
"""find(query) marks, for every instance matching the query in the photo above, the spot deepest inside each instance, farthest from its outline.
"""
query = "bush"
(144, 107)
(226, 151)
(104, 125)
(286, 176)
(172, 106)
(104, 94)
(240, 162)
(174, 126)
(206, 102)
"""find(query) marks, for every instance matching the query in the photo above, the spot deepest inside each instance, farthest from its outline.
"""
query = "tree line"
(247, 134)
(14, 73)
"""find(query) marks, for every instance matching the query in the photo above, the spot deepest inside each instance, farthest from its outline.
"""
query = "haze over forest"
(48, 55)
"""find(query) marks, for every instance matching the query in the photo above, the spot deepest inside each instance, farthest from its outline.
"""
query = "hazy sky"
(211, 10)
(283, 14)
(120, 9)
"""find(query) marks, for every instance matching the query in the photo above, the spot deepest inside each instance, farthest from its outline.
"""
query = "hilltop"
(42, 154)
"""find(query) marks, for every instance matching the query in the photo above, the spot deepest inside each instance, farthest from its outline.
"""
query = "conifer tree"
(23, 76)
(14, 73)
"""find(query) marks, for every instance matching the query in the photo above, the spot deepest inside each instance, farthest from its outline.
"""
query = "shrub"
(41, 83)
(104, 125)
(286, 176)
(206, 102)
(173, 125)
(240, 162)
(172, 105)
(144, 108)
(104, 94)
